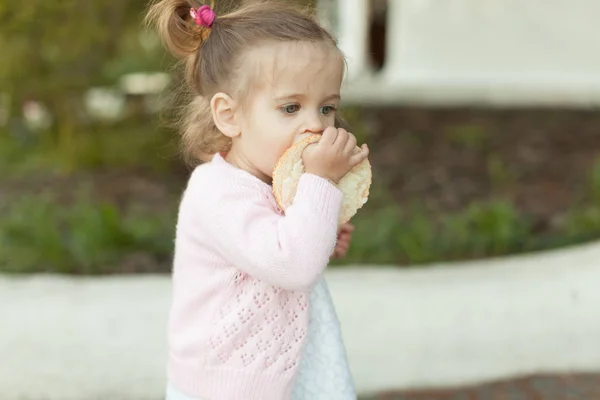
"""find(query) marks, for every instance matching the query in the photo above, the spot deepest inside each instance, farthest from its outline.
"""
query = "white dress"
(323, 373)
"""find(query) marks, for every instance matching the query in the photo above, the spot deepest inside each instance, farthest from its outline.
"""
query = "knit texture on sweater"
(241, 276)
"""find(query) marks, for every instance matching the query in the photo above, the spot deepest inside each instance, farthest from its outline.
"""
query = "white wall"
(73, 338)
(473, 51)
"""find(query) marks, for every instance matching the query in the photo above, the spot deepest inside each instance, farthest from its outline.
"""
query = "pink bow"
(203, 16)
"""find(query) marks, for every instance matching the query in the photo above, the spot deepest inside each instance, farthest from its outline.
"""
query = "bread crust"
(355, 185)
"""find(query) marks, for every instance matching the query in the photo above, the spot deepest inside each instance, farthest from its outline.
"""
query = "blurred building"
(480, 52)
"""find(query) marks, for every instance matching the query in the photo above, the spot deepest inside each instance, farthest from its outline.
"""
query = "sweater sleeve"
(289, 251)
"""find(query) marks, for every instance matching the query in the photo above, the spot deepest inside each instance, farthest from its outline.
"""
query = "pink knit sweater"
(241, 276)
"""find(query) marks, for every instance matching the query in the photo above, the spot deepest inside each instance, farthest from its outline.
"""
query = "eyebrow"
(301, 96)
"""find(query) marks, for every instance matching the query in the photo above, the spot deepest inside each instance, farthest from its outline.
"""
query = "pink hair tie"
(203, 16)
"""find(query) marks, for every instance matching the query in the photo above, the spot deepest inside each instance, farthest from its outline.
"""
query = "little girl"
(251, 317)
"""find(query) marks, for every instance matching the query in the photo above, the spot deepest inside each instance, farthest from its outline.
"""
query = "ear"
(223, 110)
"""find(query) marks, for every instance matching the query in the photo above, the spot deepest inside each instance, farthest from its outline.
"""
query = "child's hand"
(344, 238)
(334, 155)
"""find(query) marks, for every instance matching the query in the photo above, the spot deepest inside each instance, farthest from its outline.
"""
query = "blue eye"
(327, 109)
(290, 108)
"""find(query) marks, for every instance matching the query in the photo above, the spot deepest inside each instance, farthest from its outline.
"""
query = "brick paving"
(540, 387)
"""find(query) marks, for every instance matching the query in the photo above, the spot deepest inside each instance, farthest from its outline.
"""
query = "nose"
(315, 124)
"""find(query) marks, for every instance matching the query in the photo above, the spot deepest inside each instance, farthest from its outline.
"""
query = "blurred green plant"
(472, 137)
(594, 184)
(482, 230)
(388, 235)
(488, 229)
(416, 238)
(583, 221)
(499, 172)
(41, 234)
(69, 46)
(38, 234)
(134, 145)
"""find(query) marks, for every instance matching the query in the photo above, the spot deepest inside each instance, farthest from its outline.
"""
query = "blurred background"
(475, 155)
(481, 117)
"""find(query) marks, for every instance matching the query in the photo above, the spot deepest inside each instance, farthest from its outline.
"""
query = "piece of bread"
(354, 185)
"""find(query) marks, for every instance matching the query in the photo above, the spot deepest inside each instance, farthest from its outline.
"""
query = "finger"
(344, 232)
(343, 244)
(308, 152)
(345, 227)
(329, 136)
(350, 145)
(345, 237)
(360, 156)
(342, 138)
(309, 149)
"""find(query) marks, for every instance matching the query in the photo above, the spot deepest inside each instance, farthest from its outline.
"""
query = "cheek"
(271, 147)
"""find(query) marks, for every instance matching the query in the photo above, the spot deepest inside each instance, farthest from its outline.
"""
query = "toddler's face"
(299, 94)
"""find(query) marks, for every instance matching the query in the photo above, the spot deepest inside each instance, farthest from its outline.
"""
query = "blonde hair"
(211, 57)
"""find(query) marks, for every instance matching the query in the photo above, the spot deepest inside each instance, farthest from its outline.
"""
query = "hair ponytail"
(175, 27)
(183, 38)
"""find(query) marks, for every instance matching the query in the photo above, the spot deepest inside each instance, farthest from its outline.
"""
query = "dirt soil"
(447, 158)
